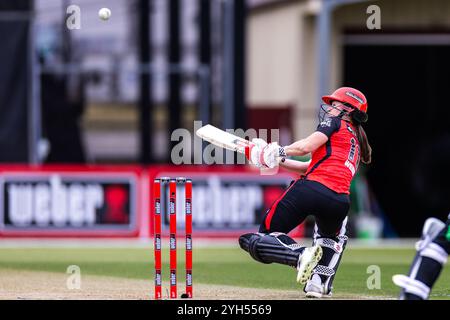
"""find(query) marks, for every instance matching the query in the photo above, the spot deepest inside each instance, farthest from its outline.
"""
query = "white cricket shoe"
(307, 262)
(315, 288)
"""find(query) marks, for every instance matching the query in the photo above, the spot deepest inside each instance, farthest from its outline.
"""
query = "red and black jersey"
(335, 163)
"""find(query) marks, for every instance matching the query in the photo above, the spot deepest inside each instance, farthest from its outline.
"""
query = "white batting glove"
(255, 153)
(272, 154)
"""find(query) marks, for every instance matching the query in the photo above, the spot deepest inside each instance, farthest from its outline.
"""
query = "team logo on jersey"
(326, 123)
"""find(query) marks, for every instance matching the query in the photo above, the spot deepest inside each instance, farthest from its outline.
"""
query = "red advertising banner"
(70, 201)
(116, 201)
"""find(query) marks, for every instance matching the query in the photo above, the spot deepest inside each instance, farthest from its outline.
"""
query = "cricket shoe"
(316, 289)
(307, 262)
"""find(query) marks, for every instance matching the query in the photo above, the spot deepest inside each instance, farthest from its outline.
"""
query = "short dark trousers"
(304, 198)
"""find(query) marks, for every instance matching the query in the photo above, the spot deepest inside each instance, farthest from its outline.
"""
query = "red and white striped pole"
(188, 229)
(157, 236)
(173, 237)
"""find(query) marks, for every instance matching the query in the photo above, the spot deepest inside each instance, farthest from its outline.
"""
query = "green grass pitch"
(224, 266)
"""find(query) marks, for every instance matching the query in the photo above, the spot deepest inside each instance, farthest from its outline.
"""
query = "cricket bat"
(225, 140)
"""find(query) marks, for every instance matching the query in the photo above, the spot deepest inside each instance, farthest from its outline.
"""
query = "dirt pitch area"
(31, 285)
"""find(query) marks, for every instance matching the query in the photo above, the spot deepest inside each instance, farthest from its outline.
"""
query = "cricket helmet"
(351, 98)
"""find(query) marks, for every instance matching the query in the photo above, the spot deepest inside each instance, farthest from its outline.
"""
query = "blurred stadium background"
(87, 114)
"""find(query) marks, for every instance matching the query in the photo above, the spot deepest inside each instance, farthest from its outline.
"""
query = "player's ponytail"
(366, 149)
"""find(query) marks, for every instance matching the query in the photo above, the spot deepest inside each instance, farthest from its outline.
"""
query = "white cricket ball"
(104, 13)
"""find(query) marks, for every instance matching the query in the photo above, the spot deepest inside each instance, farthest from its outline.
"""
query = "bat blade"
(224, 139)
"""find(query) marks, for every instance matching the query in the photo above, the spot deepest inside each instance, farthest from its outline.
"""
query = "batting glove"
(272, 154)
(255, 153)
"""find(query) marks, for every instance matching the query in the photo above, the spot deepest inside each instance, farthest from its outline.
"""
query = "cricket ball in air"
(104, 13)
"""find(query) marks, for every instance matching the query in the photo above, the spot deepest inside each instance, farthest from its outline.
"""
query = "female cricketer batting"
(337, 147)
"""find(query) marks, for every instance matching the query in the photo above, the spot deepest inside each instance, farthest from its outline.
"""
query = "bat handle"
(248, 151)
